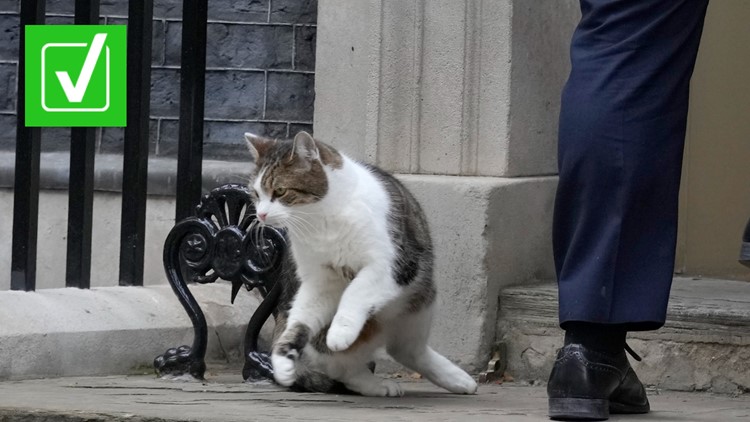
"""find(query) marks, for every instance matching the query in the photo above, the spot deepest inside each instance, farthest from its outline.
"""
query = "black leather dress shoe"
(587, 386)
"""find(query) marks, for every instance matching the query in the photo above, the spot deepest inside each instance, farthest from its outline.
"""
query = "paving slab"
(224, 397)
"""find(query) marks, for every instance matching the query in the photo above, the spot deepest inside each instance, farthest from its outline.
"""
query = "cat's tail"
(309, 380)
(317, 382)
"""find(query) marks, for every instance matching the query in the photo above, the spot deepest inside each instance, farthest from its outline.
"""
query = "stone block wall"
(260, 73)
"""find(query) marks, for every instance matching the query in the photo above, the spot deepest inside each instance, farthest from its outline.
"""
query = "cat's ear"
(304, 146)
(257, 145)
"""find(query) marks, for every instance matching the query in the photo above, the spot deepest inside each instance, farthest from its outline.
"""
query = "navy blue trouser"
(622, 132)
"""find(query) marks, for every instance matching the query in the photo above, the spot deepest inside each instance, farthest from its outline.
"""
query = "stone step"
(704, 346)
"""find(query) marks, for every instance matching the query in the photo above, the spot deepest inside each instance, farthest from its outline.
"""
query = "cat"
(364, 262)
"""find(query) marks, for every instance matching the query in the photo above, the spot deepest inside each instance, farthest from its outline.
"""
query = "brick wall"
(260, 61)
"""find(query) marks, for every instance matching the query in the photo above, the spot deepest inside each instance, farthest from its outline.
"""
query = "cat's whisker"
(294, 229)
(299, 229)
(298, 211)
(303, 225)
(261, 243)
(257, 234)
(304, 222)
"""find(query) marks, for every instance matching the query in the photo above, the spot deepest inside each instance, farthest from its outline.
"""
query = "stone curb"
(112, 330)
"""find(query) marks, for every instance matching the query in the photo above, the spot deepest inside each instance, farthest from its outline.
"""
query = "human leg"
(622, 129)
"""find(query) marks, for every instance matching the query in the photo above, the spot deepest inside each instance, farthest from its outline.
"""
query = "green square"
(75, 75)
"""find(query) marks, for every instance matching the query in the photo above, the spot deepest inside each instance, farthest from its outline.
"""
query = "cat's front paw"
(343, 332)
(284, 367)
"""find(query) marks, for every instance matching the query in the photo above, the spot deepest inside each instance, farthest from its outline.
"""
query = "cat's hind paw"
(463, 384)
(392, 388)
(384, 388)
(284, 367)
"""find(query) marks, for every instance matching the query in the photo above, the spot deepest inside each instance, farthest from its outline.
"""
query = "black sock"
(605, 338)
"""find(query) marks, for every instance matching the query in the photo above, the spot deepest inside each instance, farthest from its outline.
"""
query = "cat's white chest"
(333, 242)
(345, 242)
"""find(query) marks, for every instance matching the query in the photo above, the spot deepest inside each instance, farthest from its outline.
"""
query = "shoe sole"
(590, 409)
(628, 409)
(571, 409)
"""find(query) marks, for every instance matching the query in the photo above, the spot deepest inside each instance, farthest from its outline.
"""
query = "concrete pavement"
(143, 398)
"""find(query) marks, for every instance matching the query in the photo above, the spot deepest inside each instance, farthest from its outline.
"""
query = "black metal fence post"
(26, 188)
(192, 91)
(81, 182)
(135, 155)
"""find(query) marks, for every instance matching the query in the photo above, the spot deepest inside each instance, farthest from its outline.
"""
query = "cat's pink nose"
(262, 216)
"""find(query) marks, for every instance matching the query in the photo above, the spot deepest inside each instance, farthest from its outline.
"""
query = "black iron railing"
(135, 154)
(215, 236)
(26, 187)
(81, 188)
(81, 193)
(192, 89)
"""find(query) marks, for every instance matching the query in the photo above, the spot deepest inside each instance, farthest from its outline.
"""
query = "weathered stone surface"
(9, 5)
(224, 398)
(157, 38)
(169, 135)
(271, 130)
(60, 6)
(294, 11)
(9, 32)
(113, 7)
(218, 10)
(234, 95)
(295, 128)
(238, 46)
(221, 140)
(168, 9)
(8, 132)
(226, 140)
(238, 10)
(60, 20)
(705, 344)
(482, 244)
(113, 139)
(8, 87)
(64, 332)
(173, 43)
(304, 47)
(290, 96)
(165, 92)
(55, 139)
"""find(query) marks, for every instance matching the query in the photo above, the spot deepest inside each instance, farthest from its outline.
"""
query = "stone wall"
(260, 78)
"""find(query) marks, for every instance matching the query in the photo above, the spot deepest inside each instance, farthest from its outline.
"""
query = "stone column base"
(488, 233)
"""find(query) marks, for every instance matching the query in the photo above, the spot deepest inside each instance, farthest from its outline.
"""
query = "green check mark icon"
(76, 92)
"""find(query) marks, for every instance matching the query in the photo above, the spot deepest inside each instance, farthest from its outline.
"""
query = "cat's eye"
(278, 192)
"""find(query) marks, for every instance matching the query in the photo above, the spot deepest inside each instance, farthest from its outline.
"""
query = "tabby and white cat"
(364, 261)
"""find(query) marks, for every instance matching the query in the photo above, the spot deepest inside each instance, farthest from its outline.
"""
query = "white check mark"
(75, 92)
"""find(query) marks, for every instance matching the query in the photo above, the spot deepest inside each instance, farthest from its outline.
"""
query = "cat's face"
(289, 177)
